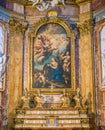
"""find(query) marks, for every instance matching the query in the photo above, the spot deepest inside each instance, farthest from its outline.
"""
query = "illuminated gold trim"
(70, 34)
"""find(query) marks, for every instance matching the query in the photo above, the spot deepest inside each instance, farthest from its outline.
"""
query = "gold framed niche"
(70, 35)
(101, 89)
(99, 58)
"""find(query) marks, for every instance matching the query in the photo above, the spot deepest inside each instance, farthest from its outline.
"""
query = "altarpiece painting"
(51, 57)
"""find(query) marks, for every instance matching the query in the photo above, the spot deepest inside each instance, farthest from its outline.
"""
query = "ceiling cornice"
(27, 2)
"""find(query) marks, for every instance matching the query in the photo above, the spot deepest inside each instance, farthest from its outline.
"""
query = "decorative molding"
(4, 15)
(85, 8)
(70, 34)
(48, 20)
(85, 16)
(99, 15)
(86, 27)
(17, 26)
(27, 2)
(98, 29)
(67, 111)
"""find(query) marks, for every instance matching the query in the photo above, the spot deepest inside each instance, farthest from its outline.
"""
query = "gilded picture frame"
(37, 34)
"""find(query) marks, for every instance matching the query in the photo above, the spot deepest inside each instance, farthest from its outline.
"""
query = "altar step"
(71, 118)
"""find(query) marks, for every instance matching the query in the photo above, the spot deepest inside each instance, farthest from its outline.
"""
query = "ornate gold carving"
(86, 59)
(53, 113)
(25, 99)
(86, 27)
(78, 99)
(70, 34)
(64, 101)
(39, 99)
(85, 16)
(56, 20)
(52, 13)
(17, 26)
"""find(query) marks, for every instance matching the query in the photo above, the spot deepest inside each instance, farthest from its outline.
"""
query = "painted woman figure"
(54, 72)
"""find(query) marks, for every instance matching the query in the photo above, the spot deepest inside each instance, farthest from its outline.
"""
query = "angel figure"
(39, 100)
(65, 101)
(78, 99)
